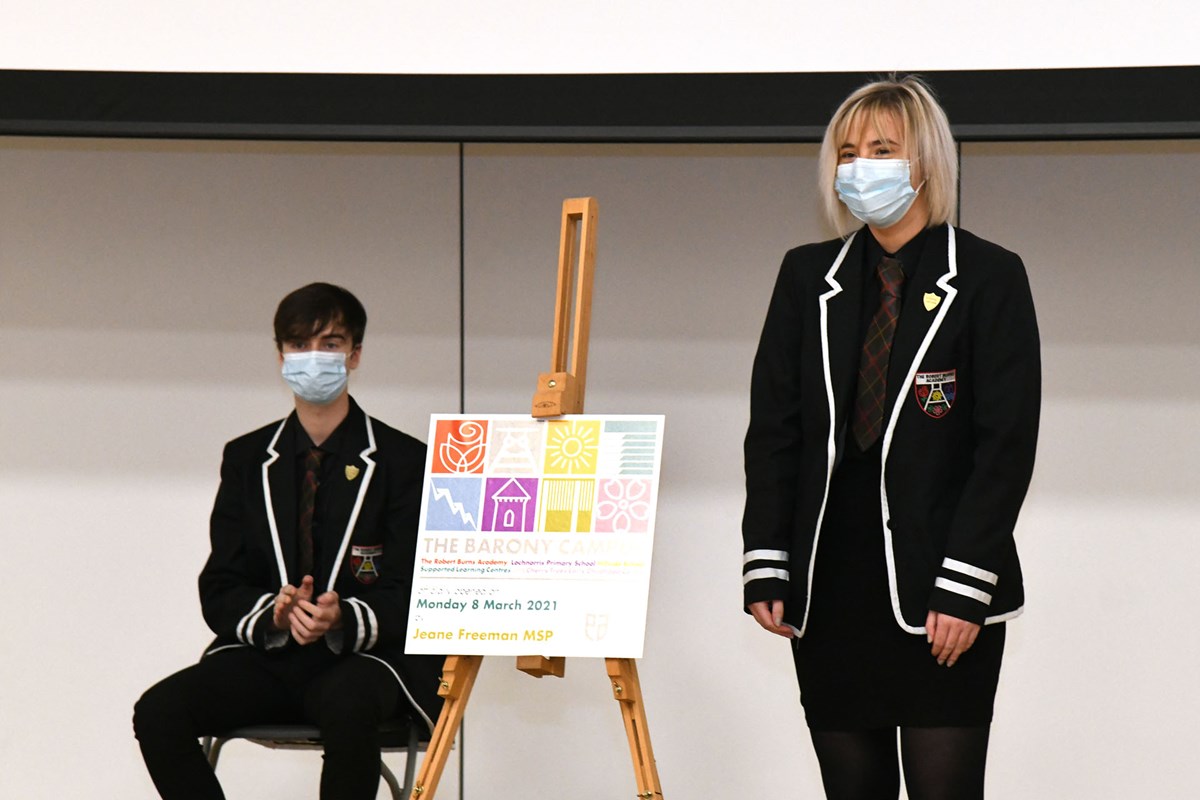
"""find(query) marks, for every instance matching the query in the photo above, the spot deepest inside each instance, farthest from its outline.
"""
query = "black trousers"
(345, 696)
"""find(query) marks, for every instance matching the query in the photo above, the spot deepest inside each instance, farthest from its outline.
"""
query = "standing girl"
(894, 416)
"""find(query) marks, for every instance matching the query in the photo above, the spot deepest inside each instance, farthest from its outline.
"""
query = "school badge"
(362, 561)
(935, 392)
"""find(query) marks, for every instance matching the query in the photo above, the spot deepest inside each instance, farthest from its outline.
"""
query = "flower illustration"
(623, 506)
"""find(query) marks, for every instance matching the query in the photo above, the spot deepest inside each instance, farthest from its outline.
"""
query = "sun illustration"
(572, 447)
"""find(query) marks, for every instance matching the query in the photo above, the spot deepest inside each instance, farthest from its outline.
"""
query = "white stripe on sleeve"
(246, 623)
(374, 627)
(759, 574)
(361, 607)
(358, 621)
(764, 555)
(964, 590)
(967, 569)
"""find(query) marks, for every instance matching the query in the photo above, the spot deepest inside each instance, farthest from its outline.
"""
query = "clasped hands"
(307, 620)
(949, 637)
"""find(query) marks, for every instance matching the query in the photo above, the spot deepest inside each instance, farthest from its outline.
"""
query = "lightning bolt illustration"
(455, 507)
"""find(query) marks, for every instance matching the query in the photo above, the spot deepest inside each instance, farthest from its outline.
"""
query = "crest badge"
(595, 626)
(363, 560)
(351, 472)
(931, 301)
(935, 392)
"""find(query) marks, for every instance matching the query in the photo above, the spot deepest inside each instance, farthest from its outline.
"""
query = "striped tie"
(872, 369)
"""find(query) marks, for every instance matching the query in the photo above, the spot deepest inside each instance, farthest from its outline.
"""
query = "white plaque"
(536, 536)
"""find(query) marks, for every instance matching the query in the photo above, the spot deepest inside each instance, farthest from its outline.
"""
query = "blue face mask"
(314, 376)
(877, 191)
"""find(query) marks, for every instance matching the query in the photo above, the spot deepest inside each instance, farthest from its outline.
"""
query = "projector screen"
(615, 36)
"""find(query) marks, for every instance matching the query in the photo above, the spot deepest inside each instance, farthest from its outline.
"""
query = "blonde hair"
(931, 149)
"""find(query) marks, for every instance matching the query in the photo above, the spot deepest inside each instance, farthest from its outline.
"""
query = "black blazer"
(368, 544)
(960, 427)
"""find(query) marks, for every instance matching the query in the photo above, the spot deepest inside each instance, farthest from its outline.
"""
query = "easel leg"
(627, 690)
(458, 678)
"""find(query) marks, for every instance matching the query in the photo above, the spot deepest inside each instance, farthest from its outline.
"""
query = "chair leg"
(211, 745)
(389, 778)
(410, 768)
(410, 763)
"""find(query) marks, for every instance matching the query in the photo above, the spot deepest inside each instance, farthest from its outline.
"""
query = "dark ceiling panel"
(1155, 102)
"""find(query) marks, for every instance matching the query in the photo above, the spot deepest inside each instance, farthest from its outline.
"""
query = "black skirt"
(856, 667)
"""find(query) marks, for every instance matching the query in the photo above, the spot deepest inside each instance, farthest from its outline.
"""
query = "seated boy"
(307, 586)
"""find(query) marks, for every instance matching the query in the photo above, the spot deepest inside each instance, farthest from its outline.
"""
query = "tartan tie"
(308, 501)
(873, 367)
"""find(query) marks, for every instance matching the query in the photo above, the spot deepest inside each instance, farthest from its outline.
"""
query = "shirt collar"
(908, 255)
(337, 442)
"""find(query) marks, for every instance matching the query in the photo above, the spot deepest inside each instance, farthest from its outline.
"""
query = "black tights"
(939, 763)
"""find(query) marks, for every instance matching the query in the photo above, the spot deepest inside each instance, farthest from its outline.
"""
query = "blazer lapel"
(279, 479)
(345, 485)
(919, 319)
(842, 321)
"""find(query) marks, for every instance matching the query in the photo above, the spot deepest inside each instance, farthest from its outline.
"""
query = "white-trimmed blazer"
(960, 427)
(368, 542)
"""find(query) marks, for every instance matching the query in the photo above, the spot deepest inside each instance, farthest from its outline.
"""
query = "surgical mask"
(315, 376)
(877, 191)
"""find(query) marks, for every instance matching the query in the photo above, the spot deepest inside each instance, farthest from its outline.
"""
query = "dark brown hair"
(305, 313)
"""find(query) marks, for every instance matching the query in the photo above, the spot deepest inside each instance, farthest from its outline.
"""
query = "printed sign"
(536, 536)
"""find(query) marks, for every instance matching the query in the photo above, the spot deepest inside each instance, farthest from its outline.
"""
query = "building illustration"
(509, 505)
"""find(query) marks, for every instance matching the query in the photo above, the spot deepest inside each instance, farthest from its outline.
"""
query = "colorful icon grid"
(525, 476)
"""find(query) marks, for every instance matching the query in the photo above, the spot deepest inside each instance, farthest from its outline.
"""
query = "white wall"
(137, 281)
(1098, 696)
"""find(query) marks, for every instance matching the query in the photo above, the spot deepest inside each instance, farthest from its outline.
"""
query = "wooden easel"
(560, 391)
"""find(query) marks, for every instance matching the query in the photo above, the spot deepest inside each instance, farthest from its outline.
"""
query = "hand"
(310, 621)
(950, 636)
(769, 614)
(286, 600)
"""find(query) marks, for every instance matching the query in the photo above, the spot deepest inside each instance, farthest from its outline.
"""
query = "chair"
(396, 735)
